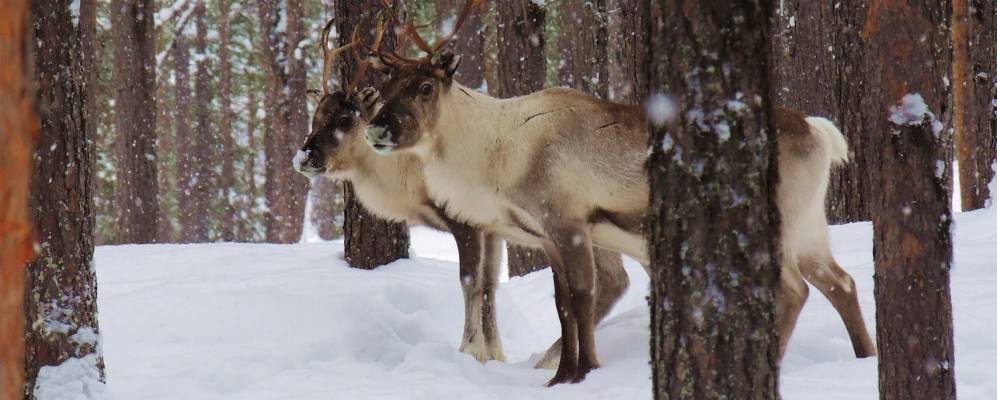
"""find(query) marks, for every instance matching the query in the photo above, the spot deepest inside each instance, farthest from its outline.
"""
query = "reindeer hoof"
(583, 369)
(559, 378)
(551, 358)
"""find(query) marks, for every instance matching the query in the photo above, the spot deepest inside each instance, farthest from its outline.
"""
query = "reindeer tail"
(831, 139)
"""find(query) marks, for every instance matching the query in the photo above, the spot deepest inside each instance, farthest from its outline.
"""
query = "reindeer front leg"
(471, 251)
(489, 280)
(575, 274)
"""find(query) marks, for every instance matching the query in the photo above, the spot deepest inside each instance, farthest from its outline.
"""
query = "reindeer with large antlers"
(393, 187)
(563, 170)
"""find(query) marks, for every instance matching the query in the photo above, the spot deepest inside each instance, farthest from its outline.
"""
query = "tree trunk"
(247, 228)
(18, 132)
(629, 31)
(227, 222)
(469, 42)
(714, 264)
(287, 118)
(974, 73)
(203, 141)
(370, 241)
(61, 288)
(521, 70)
(184, 140)
(581, 40)
(912, 244)
(324, 212)
(135, 120)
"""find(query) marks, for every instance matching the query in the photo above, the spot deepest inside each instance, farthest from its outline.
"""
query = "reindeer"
(563, 171)
(393, 188)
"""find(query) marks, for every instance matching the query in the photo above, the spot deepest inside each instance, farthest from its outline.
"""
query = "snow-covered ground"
(241, 321)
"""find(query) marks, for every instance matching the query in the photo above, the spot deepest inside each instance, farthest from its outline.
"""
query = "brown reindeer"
(393, 188)
(563, 170)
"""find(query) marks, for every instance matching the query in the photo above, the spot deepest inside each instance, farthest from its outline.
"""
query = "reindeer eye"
(426, 89)
(344, 123)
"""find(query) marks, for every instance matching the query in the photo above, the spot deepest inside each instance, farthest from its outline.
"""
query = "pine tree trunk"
(975, 98)
(469, 43)
(18, 132)
(912, 244)
(581, 41)
(183, 135)
(227, 183)
(522, 69)
(203, 141)
(714, 265)
(629, 31)
(324, 207)
(247, 229)
(135, 120)
(286, 119)
(370, 241)
(61, 287)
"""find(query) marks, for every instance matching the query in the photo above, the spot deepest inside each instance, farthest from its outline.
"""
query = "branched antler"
(410, 30)
(329, 56)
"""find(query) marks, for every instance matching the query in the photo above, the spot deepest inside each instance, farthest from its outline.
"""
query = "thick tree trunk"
(61, 288)
(18, 132)
(370, 241)
(287, 118)
(522, 70)
(183, 136)
(629, 31)
(135, 120)
(469, 42)
(912, 243)
(203, 141)
(713, 264)
(974, 78)
(227, 221)
(581, 41)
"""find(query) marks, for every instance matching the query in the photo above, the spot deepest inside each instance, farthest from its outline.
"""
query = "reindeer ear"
(448, 62)
(367, 98)
(314, 94)
(379, 65)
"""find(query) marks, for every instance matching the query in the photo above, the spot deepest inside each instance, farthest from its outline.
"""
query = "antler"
(363, 63)
(330, 55)
(410, 30)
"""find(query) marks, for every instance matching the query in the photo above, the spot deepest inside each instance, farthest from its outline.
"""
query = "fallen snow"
(74, 379)
(257, 321)
(912, 110)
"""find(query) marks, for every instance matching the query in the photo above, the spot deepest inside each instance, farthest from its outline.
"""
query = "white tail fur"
(832, 137)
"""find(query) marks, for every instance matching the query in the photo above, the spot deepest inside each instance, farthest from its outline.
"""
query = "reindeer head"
(413, 90)
(334, 146)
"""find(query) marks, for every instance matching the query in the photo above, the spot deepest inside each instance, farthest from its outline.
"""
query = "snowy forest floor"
(251, 321)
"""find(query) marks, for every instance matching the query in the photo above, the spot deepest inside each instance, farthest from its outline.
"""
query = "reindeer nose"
(378, 137)
(305, 162)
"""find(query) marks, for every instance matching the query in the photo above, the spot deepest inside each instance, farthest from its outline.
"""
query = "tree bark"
(61, 288)
(227, 221)
(203, 141)
(522, 68)
(975, 98)
(713, 223)
(912, 244)
(581, 40)
(629, 32)
(469, 42)
(370, 241)
(135, 120)
(183, 135)
(18, 132)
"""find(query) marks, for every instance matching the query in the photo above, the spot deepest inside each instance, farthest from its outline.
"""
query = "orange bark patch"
(911, 246)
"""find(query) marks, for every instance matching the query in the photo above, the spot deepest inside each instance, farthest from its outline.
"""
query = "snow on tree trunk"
(522, 68)
(469, 42)
(713, 223)
(281, 34)
(18, 132)
(974, 78)
(61, 289)
(628, 32)
(581, 42)
(135, 119)
(370, 241)
(911, 212)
